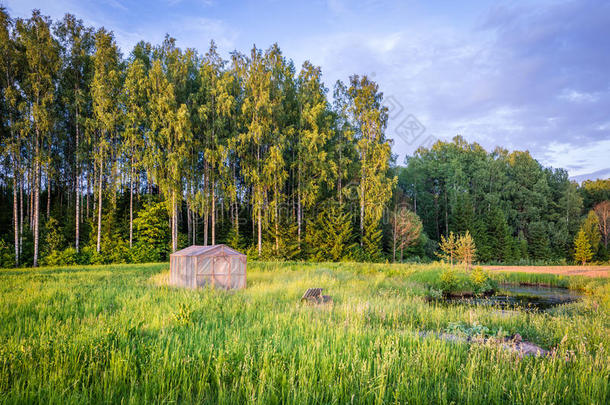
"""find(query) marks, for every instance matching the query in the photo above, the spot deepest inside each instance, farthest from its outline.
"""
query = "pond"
(524, 296)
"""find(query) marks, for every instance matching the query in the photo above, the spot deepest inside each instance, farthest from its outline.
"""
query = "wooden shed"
(216, 265)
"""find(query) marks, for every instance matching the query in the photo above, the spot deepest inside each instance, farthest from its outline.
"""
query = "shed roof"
(211, 250)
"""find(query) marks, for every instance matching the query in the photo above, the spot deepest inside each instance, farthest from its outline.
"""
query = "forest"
(112, 158)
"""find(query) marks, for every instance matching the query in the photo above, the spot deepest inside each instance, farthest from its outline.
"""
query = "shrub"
(151, 234)
(65, 257)
(449, 281)
(481, 282)
(7, 255)
(85, 254)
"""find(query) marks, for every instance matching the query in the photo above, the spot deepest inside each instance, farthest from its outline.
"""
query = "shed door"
(204, 271)
(221, 271)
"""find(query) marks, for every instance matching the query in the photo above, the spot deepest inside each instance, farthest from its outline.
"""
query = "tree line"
(516, 210)
(108, 158)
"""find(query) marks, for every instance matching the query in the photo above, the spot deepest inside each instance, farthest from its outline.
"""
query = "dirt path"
(589, 271)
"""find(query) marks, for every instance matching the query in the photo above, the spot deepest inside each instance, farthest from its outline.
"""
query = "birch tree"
(42, 63)
(77, 43)
(105, 90)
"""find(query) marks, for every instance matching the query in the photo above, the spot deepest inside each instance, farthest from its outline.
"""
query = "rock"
(526, 349)
(515, 343)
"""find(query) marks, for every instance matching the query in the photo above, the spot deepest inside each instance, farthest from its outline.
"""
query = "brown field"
(588, 271)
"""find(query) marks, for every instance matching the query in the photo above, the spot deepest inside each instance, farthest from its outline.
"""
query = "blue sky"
(529, 75)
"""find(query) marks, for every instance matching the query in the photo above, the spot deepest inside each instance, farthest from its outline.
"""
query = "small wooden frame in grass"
(314, 296)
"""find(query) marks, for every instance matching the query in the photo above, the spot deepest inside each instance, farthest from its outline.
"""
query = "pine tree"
(481, 237)
(582, 248)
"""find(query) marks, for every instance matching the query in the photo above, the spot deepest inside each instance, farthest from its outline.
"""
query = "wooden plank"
(312, 293)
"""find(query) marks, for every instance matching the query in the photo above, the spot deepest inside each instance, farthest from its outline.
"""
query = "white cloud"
(578, 97)
(579, 159)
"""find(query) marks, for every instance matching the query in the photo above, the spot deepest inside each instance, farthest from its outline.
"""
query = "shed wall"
(221, 271)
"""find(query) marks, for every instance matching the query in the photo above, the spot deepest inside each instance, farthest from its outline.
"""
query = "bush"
(449, 281)
(481, 282)
(151, 234)
(65, 257)
(85, 254)
(7, 255)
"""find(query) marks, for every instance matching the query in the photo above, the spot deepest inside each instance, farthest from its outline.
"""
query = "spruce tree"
(538, 241)
(582, 248)
(499, 237)
(330, 237)
(592, 229)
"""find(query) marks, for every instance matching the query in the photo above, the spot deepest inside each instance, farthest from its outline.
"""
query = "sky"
(527, 75)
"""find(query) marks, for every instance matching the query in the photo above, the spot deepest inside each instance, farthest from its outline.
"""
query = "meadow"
(118, 333)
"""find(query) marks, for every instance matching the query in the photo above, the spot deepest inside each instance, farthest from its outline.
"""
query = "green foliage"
(481, 282)
(287, 242)
(463, 329)
(449, 281)
(53, 237)
(371, 243)
(582, 248)
(254, 148)
(590, 226)
(538, 241)
(448, 247)
(458, 186)
(7, 255)
(466, 250)
(66, 257)
(330, 237)
(499, 237)
(594, 192)
(151, 234)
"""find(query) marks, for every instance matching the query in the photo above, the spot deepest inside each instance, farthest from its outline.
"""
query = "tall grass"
(120, 334)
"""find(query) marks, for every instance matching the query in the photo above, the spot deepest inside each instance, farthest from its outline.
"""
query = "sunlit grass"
(120, 334)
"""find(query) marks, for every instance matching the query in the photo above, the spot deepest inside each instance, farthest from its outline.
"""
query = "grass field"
(118, 334)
